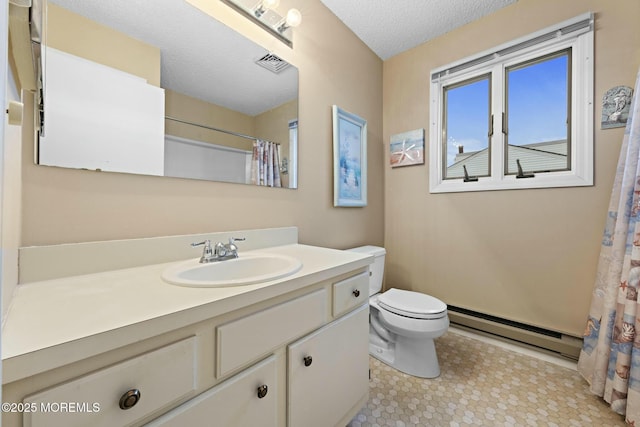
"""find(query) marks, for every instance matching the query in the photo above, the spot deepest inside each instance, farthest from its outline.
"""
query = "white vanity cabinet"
(327, 370)
(297, 359)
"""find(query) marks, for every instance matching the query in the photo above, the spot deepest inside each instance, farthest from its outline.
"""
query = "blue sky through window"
(537, 107)
(537, 102)
(467, 118)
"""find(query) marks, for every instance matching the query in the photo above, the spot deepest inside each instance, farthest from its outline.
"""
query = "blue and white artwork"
(350, 159)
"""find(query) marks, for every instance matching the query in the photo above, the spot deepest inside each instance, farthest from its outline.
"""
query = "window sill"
(555, 180)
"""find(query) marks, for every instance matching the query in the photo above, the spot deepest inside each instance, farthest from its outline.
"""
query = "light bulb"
(294, 18)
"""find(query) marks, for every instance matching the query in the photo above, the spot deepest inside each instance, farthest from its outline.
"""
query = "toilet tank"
(377, 268)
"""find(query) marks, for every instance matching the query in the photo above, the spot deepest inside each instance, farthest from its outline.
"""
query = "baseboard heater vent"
(565, 345)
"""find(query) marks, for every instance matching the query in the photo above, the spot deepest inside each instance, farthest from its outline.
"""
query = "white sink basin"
(245, 270)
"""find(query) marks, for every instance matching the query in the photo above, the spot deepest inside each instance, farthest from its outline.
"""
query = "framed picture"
(407, 148)
(349, 159)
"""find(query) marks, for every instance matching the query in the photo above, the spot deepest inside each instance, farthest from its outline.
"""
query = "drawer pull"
(356, 293)
(129, 399)
(307, 360)
(262, 391)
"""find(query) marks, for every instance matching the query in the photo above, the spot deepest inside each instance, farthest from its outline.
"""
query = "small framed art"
(407, 148)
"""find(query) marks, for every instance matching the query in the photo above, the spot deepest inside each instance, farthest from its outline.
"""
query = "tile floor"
(486, 383)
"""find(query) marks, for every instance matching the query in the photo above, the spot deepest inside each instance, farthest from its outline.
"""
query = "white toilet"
(403, 324)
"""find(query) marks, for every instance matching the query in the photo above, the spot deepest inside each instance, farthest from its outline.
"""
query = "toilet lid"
(412, 304)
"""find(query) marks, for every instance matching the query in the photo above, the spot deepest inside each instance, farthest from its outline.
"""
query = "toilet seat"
(411, 304)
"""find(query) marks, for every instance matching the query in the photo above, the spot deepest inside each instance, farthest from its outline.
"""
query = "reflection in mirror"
(164, 89)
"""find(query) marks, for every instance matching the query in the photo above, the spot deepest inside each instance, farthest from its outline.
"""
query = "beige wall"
(64, 205)
(194, 110)
(10, 201)
(526, 255)
(85, 38)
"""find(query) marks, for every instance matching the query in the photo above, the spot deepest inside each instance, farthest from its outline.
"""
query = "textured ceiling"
(389, 27)
(200, 56)
(198, 52)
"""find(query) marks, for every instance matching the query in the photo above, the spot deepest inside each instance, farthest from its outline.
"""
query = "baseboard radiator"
(564, 345)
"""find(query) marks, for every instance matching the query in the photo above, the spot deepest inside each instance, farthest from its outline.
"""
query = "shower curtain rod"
(228, 132)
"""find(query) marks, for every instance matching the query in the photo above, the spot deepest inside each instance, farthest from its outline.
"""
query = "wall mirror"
(161, 88)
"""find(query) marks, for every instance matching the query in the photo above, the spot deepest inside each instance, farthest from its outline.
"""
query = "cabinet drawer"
(248, 338)
(235, 402)
(350, 293)
(161, 377)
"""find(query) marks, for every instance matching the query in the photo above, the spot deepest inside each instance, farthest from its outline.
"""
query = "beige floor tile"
(482, 385)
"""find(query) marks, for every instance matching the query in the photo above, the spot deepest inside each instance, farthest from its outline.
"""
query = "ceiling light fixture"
(262, 7)
(265, 15)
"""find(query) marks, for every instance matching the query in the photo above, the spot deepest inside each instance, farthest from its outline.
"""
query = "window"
(467, 107)
(517, 116)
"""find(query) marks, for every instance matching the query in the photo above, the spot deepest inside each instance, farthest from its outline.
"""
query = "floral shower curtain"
(610, 356)
(265, 164)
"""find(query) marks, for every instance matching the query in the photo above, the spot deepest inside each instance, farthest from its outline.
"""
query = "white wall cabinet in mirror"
(164, 89)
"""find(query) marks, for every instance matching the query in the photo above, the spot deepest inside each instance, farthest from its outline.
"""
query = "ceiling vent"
(272, 63)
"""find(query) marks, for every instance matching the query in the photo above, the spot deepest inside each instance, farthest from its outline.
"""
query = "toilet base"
(384, 353)
(414, 357)
(417, 357)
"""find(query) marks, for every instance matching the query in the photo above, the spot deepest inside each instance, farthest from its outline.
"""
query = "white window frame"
(293, 153)
(576, 33)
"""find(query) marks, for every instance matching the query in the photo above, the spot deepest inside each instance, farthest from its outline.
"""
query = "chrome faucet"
(219, 251)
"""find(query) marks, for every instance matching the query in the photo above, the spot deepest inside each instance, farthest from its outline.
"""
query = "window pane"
(538, 115)
(466, 125)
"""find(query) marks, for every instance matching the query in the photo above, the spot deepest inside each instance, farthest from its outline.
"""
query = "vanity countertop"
(60, 321)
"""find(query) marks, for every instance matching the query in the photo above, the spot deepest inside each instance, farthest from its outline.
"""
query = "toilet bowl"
(403, 324)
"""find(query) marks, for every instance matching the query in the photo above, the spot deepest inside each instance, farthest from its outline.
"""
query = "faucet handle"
(207, 252)
(206, 243)
(233, 249)
(232, 240)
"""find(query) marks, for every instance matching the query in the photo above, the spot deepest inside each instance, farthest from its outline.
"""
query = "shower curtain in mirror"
(610, 356)
(265, 164)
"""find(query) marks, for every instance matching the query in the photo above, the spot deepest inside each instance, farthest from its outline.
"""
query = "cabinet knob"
(262, 391)
(356, 293)
(307, 360)
(129, 399)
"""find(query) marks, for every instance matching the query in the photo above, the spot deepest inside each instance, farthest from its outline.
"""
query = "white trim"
(555, 32)
(582, 106)
(4, 52)
(293, 153)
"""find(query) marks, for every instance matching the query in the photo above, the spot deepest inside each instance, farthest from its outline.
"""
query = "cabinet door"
(247, 399)
(328, 371)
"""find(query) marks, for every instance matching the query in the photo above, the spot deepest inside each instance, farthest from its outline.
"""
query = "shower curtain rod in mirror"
(228, 132)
